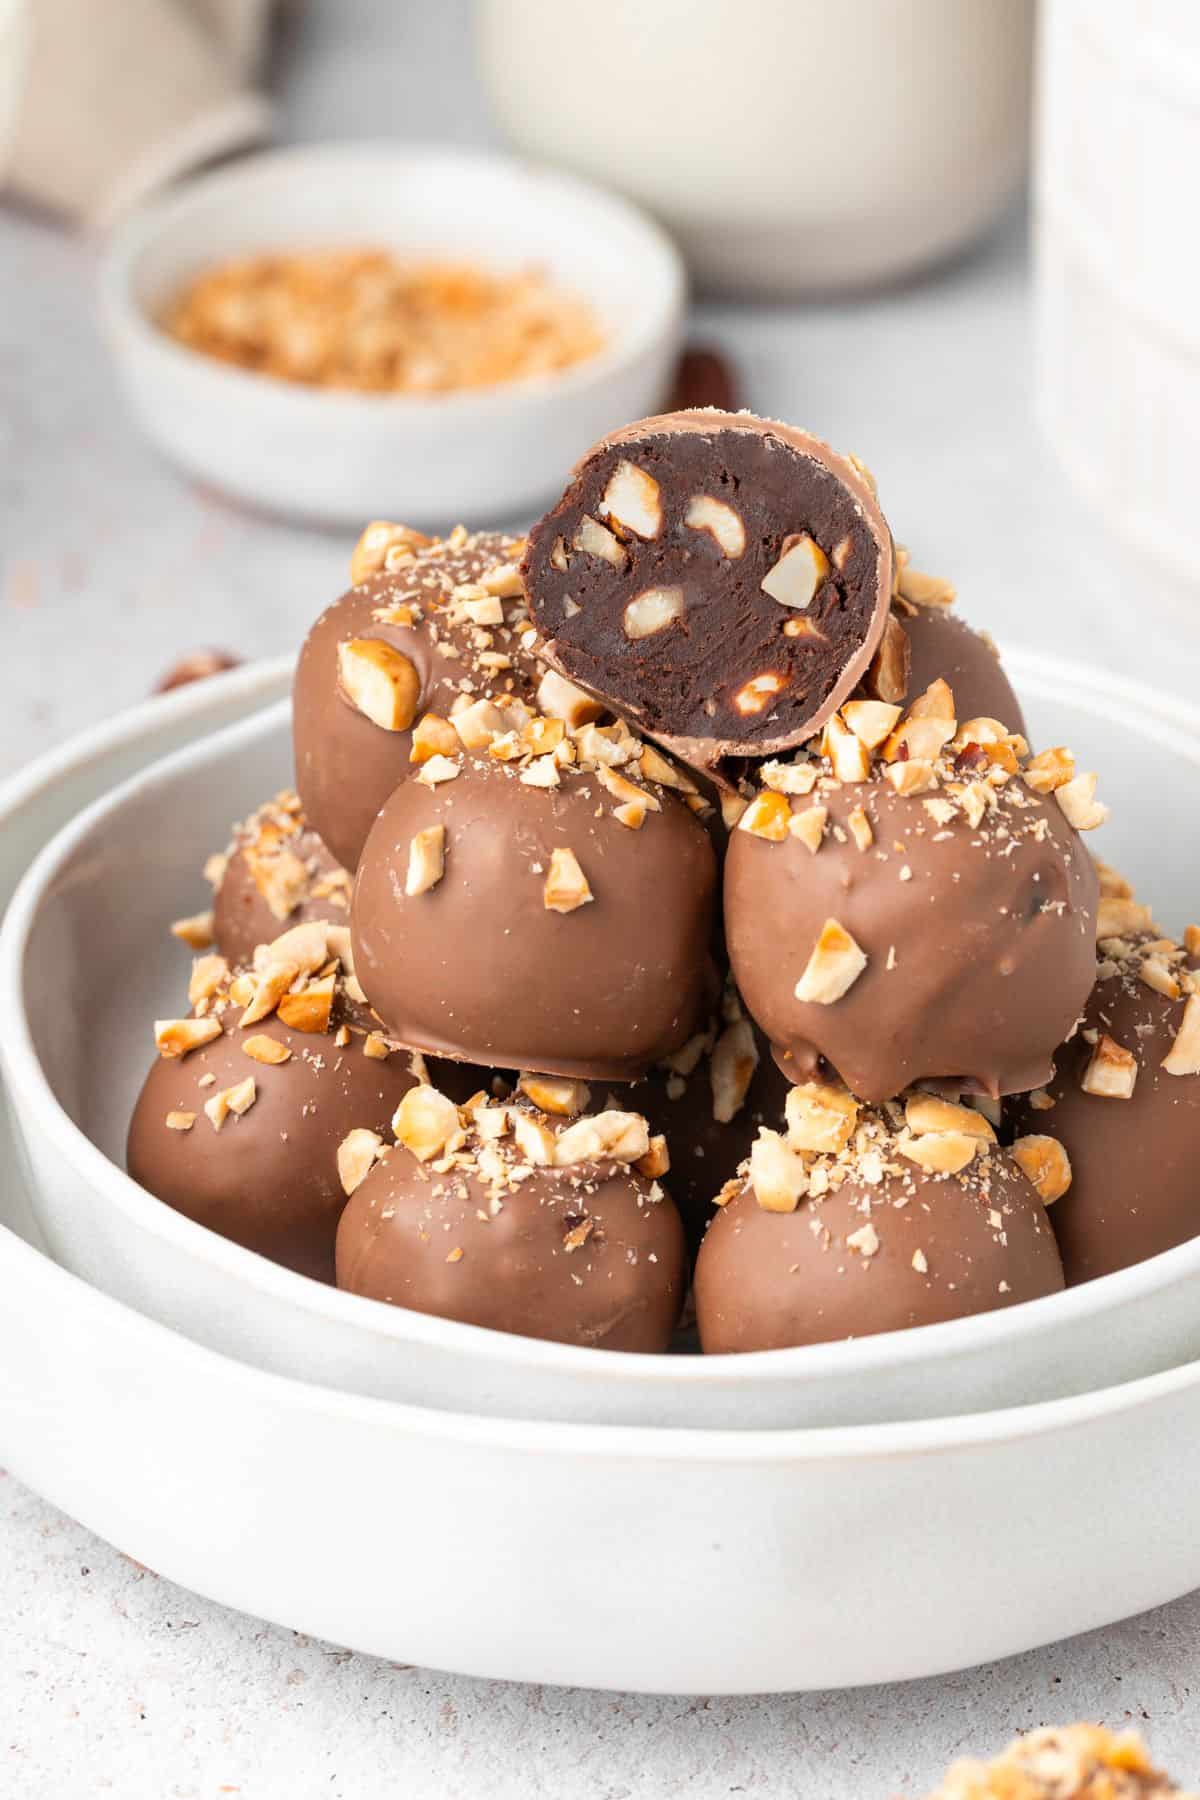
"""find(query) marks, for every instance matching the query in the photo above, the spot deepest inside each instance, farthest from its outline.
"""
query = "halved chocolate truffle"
(506, 1217)
(522, 911)
(276, 872)
(913, 901)
(722, 580)
(240, 1119)
(433, 631)
(855, 1220)
(1124, 1104)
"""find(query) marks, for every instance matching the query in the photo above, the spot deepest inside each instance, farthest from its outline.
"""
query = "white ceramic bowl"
(86, 963)
(485, 455)
(687, 1561)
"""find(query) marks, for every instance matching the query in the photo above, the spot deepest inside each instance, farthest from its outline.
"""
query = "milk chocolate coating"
(992, 939)
(621, 1289)
(479, 968)
(1135, 1188)
(681, 684)
(943, 645)
(767, 1281)
(268, 1179)
(346, 765)
(265, 870)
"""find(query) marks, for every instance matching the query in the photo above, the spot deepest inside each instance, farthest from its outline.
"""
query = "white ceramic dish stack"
(621, 1555)
(86, 941)
(338, 456)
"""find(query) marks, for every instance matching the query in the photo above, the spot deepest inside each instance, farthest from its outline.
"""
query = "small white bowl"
(86, 963)
(483, 455)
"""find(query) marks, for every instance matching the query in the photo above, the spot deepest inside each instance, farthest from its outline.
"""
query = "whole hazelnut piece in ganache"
(241, 1117)
(723, 578)
(857, 1220)
(543, 1224)
(1120, 1117)
(912, 901)
(519, 909)
(389, 673)
(276, 872)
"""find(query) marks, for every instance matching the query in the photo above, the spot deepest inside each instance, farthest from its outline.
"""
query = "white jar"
(1118, 268)
(793, 146)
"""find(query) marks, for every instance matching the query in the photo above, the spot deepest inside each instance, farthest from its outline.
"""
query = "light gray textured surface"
(112, 1680)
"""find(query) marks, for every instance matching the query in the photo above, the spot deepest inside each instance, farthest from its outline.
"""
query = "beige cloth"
(103, 101)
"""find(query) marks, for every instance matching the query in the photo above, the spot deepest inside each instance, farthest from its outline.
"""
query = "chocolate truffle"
(723, 579)
(522, 1222)
(240, 1120)
(943, 644)
(538, 913)
(276, 872)
(1124, 1105)
(911, 903)
(431, 632)
(856, 1221)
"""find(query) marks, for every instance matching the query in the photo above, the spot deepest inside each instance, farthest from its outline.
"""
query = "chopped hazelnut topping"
(559, 698)
(871, 721)
(912, 777)
(556, 1094)
(380, 537)
(264, 1049)
(939, 1152)
(475, 725)
(846, 751)
(1121, 918)
(1184, 1055)
(426, 1122)
(820, 1117)
(310, 1009)
(920, 1262)
(657, 1161)
(621, 1136)
(432, 736)
(767, 816)
(796, 577)
(1045, 1163)
(436, 769)
(731, 1069)
(380, 682)
(196, 932)
(177, 1037)
(426, 860)
(656, 767)
(1191, 941)
(1111, 1072)
(632, 815)
(723, 524)
(926, 1112)
(180, 1121)
(237, 1099)
(270, 985)
(375, 1046)
(809, 827)
(778, 1174)
(887, 677)
(208, 973)
(925, 590)
(534, 1139)
(1077, 798)
(834, 966)
(565, 888)
(1049, 769)
(797, 778)
(865, 1240)
(859, 827)
(356, 1154)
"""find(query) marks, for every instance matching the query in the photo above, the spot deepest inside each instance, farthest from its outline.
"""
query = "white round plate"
(346, 457)
(86, 963)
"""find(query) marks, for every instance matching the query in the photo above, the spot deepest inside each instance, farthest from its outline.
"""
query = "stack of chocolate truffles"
(671, 904)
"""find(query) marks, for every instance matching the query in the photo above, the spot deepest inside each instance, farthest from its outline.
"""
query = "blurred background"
(953, 237)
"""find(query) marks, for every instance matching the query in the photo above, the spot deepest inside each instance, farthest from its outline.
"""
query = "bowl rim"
(132, 330)
(1175, 722)
(631, 1444)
